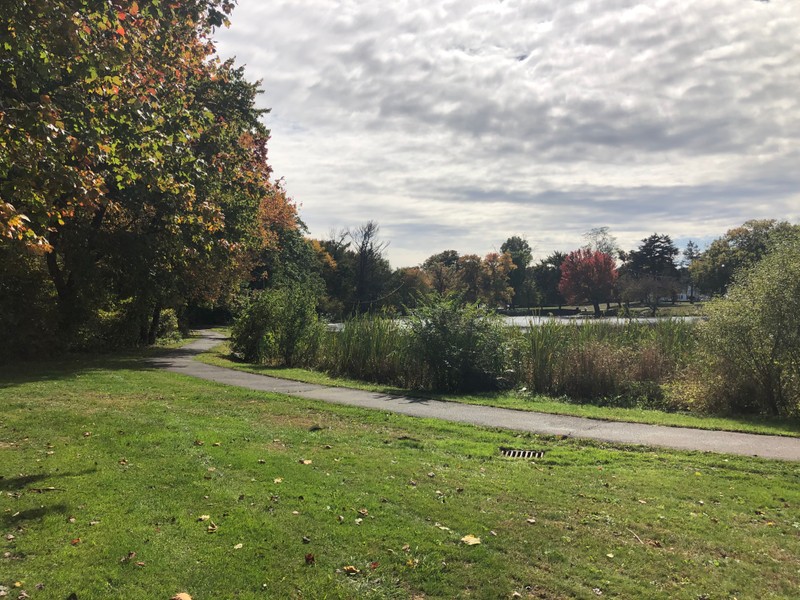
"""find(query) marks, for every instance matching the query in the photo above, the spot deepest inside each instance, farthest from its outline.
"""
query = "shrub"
(278, 326)
(461, 346)
(751, 341)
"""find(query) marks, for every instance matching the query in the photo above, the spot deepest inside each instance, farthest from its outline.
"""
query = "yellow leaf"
(471, 540)
(351, 570)
(203, 517)
(181, 596)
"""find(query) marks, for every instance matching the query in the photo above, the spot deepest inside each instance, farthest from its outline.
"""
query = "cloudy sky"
(455, 124)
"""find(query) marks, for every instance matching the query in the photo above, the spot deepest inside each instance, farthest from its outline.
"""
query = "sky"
(456, 124)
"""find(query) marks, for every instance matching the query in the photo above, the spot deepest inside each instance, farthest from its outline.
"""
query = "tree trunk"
(597, 312)
(154, 322)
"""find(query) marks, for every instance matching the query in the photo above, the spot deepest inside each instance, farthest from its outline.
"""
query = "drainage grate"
(514, 453)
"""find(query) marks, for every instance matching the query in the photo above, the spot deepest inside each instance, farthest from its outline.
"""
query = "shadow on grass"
(77, 363)
(27, 481)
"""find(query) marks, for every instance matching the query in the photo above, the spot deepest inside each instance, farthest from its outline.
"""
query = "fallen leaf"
(531, 520)
(199, 442)
(87, 433)
(181, 596)
(10, 537)
(310, 559)
(363, 512)
(131, 556)
(442, 527)
(359, 521)
(212, 527)
(76, 541)
(471, 540)
(278, 480)
(609, 555)
(431, 474)
(306, 540)
(374, 565)
(140, 563)
(295, 512)
(203, 517)
(216, 444)
(494, 533)
(351, 570)
(305, 461)
(238, 546)
(406, 548)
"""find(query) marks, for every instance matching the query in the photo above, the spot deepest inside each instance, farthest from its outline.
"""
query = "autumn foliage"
(588, 276)
(133, 162)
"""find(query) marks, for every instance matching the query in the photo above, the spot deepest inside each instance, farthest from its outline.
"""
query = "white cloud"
(456, 124)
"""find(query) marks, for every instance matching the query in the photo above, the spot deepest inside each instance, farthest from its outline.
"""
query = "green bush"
(751, 341)
(278, 326)
(462, 347)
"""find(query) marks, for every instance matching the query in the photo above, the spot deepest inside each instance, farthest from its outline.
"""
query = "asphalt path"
(680, 438)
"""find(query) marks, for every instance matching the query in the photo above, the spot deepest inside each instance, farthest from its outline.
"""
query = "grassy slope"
(220, 356)
(121, 445)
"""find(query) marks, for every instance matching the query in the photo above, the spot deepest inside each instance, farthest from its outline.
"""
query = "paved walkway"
(681, 438)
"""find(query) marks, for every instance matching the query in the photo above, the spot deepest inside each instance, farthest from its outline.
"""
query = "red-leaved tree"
(588, 276)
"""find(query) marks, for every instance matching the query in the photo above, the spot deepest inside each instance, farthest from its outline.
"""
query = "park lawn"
(220, 356)
(215, 488)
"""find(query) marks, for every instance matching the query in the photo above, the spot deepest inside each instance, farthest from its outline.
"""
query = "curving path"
(681, 438)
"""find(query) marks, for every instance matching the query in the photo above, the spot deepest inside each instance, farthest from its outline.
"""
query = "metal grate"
(514, 453)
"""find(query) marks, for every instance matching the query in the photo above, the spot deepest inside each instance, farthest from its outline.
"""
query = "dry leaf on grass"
(305, 461)
(203, 517)
(181, 596)
(471, 540)
(351, 570)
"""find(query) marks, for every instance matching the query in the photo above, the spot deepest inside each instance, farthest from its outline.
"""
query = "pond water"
(526, 322)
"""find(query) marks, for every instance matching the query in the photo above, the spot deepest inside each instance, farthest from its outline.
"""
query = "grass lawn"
(226, 493)
(220, 356)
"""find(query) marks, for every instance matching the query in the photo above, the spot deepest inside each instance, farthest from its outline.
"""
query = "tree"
(412, 285)
(690, 254)
(497, 268)
(588, 276)
(470, 277)
(655, 257)
(752, 337)
(442, 269)
(372, 270)
(740, 248)
(601, 240)
(132, 161)
(521, 255)
(547, 275)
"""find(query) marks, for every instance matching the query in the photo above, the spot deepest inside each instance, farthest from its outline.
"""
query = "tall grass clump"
(371, 348)
(278, 327)
(618, 364)
(749, 358)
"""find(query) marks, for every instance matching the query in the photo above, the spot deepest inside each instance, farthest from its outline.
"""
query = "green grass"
(120, 446)
(221, 357)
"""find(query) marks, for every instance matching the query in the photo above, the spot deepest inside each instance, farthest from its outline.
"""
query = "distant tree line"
(356, 277)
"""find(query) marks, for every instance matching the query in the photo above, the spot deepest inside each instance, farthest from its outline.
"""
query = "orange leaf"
(121, 16)
(134, 9)
(121, 30)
